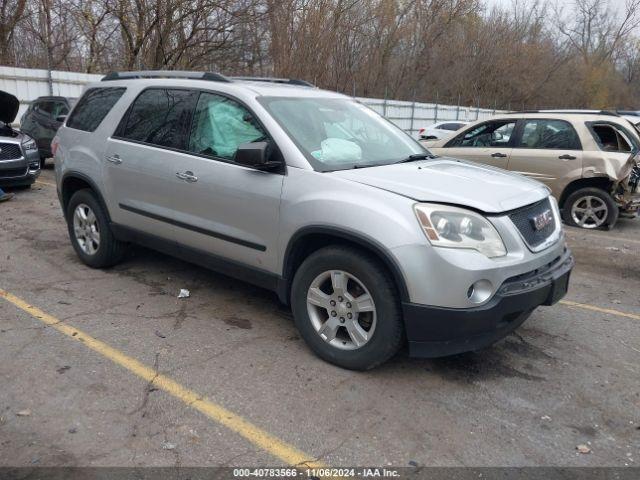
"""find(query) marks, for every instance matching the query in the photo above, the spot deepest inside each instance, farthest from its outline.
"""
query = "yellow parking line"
(45, 183)
(260, 438)
(594, 308)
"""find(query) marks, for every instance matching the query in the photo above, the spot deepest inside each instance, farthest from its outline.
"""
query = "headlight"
(454, 227)
(29, 144)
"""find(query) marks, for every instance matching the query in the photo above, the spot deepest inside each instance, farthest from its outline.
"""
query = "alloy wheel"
(86, 229)
(341, 309)
(589, 212)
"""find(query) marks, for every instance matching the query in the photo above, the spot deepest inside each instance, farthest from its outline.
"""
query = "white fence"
(412, 116)
(29, 84)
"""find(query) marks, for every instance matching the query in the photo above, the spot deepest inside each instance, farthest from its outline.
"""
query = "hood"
(451, 181)
(9, 106)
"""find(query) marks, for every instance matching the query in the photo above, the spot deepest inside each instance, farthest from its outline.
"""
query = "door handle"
(187, 176)
(566, 157)
(113, 159)
(499, 155)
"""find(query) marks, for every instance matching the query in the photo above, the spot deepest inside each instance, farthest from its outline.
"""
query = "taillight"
(421, 131)
(54, 146)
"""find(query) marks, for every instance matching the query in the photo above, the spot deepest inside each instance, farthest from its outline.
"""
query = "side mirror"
(61, 118)
(255, 155)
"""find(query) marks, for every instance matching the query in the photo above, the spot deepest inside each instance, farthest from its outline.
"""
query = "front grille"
(10, 151)
(13, 172)
(523, 219)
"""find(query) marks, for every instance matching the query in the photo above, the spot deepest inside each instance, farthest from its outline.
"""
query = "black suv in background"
(42, 120)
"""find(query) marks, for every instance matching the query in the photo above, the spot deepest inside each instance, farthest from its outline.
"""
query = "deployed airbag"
(338, 150)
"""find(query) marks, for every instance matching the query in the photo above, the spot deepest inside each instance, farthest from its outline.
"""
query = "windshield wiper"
(366, 165)
(417, 156)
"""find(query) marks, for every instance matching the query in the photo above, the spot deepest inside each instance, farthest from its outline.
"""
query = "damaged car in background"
(589, 159)
(19, 157)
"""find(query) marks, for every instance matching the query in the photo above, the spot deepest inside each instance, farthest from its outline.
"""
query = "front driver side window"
(490, 134)
(220, 126)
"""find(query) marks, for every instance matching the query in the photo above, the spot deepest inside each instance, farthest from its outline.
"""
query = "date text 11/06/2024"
(315, 472)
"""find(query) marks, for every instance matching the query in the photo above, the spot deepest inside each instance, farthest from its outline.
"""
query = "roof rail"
(634, 113)
(572, 112)
(286, 81)
(214, 77)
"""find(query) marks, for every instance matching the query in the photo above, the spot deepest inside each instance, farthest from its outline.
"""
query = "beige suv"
(588, 159)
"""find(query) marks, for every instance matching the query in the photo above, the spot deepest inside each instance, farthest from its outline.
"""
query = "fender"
(64, 198)
(357, 238)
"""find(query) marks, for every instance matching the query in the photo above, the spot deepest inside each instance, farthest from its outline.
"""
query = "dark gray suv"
(42, 120)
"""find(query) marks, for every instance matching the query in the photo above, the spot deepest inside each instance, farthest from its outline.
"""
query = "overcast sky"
(617, 3)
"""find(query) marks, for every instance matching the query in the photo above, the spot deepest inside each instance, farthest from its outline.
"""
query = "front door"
(234, 209)
(489, 143)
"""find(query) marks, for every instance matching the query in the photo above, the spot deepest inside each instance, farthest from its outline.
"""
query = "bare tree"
(11, 13)
(528, 54)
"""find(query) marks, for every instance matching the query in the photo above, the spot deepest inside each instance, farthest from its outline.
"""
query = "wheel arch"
(74, 181)
(603, 183)
(310, 239)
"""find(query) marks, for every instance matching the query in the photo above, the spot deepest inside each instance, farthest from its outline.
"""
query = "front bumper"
(437, 331)
(21, 180)
(20, 171)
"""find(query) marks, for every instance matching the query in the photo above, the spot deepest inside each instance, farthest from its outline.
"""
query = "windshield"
(339, 133)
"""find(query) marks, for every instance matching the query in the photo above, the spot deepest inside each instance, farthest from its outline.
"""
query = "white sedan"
(440, 130)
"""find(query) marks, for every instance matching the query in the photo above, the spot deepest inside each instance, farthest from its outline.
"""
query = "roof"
(53, 97)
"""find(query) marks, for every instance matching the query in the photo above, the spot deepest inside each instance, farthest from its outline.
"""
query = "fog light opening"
(480, 291)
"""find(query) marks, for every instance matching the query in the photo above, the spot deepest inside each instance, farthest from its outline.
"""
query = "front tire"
(346, 308)
(89, 231)
(590, 208)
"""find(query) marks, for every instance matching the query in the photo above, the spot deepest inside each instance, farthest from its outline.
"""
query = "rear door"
(547, 150)
(143, 157)
(488, 142)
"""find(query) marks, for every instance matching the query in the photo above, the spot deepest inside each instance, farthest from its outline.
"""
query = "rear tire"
(89, 231)
(357, 327)
(590, 208)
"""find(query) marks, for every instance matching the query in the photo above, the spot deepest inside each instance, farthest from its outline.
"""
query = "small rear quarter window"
(94, 105)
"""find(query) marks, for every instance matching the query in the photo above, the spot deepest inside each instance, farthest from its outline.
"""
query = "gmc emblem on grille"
(542, 220)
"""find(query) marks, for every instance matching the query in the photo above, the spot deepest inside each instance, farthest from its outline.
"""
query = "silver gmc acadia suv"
(373, 241)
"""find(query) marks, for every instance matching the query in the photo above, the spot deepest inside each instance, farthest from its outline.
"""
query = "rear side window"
(549, 134)
(94, 105)
(610, 138)
(160, 117)
(451, 126)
